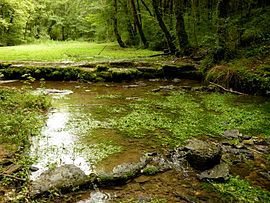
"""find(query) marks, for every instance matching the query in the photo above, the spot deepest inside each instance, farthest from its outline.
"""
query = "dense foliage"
(176, 25)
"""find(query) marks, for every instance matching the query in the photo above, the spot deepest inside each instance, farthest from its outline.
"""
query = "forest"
(178, 26)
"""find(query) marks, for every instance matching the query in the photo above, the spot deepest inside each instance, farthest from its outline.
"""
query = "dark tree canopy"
(177, 25)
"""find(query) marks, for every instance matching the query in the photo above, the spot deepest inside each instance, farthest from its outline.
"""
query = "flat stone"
(262, 148)
(248, 142)
(232, 134)
(219, 172)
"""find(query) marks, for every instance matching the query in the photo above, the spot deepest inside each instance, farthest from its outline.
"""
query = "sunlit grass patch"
(70, 51)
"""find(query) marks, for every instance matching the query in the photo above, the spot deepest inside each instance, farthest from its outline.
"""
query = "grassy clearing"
(70, 51)
(173, 119)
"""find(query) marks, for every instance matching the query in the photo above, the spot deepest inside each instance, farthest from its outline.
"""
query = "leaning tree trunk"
(163, 27)
(180, 26)
(138, 24)
(115, 25)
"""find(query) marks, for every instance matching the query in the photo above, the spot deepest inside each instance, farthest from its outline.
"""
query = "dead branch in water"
(228, 90)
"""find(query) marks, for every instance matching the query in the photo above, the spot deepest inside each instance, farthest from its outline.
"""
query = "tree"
(162, 25)
(180, 26)
(138, 23)
(115, 25)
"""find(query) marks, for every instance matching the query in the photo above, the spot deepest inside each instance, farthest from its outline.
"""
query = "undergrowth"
(21, 116)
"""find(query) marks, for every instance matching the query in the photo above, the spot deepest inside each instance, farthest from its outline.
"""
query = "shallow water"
(67, 136)
(78, 132)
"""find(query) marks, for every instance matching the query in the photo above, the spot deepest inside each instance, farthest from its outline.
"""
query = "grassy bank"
(21, 116)
(247, 71)
(71, 51)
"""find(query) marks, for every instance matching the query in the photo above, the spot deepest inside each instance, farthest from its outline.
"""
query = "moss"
(150, 170)
(239, 78)
(102, 68)
(124, 74)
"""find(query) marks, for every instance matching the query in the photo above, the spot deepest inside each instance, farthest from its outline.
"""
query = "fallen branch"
(11, 176)
(228, 90)
(102, 50)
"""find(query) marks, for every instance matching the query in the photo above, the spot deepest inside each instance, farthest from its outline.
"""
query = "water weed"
(172, 119)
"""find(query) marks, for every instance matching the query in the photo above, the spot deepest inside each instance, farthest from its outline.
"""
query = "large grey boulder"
(65, 176)
(202, 155)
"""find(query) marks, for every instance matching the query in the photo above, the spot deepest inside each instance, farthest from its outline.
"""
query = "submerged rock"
(123, 173)
(202, 155)
(164, 88)
(97, 197)
(65, 176)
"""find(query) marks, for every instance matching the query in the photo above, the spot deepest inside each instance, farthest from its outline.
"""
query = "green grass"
(21, 116)
(70, 51)
(173, 119)
(238, 190)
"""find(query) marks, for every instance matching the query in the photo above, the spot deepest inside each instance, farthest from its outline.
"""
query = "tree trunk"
(180, 26)
(146, 7)
(138, 24)
(221, 28)
(115, 25)
(63, 33)
(163, 27)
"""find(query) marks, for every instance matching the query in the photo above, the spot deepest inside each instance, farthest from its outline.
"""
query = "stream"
(78, 132)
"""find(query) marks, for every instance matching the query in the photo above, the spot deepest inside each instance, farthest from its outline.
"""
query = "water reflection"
(57, 145)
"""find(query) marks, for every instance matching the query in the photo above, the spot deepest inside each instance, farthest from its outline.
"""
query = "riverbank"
(22, 116)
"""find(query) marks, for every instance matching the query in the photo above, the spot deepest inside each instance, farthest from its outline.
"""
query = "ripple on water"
(97, 197)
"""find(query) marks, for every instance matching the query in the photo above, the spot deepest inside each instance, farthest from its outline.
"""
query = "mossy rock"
(102, 68)
(124, 74)
(122, 64)
(177, 70)
(150, 170)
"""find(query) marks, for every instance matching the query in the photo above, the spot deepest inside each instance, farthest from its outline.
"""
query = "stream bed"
(83, 129)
